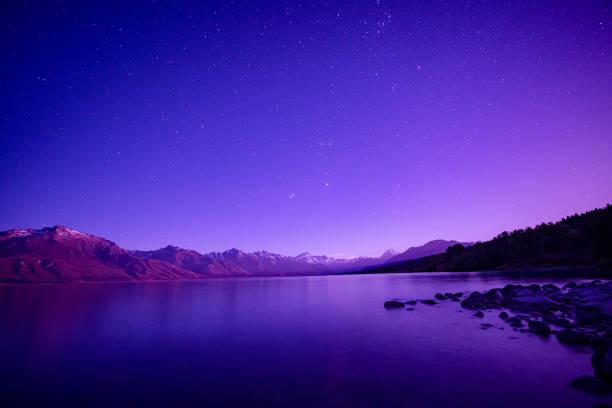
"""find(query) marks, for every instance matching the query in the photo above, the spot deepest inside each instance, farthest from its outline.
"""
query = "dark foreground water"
(295, 342)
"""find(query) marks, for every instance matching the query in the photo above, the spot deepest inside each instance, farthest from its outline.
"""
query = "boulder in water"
(592, 385)
(393, 304)
(573, 338)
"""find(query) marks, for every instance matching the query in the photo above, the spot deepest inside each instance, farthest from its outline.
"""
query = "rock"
(550, 287)
(479, 314)
(393, 304)
(573, 338)
(458, 294)
(570, 285)
(602, 362)
(411, 302)
(539, 327)
(475, 297)
(514, 319)
(526, 301)
(592, 385)
(430, 302)
(596, 342)
(494, 296)
(474, 301)
(563, 323)
(439, 296)
(456, 299)
(504, 315)
(517, 324)
(584, 318)
(448, 295)
(410, 309)
(534, 287)
(469, 305)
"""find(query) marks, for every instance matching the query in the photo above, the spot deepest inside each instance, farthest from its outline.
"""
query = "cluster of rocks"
(578, 314)
(395, 304)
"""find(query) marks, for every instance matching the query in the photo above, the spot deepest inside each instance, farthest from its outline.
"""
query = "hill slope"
(60, 254)
(430, 248)
(578, 240)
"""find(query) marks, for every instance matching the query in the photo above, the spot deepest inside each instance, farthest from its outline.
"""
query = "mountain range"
(62, 254)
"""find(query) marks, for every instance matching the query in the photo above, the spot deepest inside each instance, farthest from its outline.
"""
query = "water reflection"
(308, 341)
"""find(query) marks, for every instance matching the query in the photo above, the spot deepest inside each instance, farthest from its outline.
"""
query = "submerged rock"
(393, 304)
(592, 385)
(504, 315)
(479, 314)
(439, 296)
(430, 302)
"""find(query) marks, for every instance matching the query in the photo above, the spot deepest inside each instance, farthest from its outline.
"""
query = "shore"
(579, 315)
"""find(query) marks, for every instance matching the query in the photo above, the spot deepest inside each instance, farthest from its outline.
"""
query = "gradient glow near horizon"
(339, 128)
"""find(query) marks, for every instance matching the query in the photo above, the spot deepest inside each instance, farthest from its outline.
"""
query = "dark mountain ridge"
(436, 246)
(577, 240)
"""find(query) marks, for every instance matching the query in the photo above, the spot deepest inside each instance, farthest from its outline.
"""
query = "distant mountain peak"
(56, 230)
(67, 232)
(432, 247)
(389, 253)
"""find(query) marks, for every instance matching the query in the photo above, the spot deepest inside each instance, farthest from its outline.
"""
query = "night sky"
(339, 128)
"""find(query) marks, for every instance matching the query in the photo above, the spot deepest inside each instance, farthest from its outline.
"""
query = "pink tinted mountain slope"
(60, 254)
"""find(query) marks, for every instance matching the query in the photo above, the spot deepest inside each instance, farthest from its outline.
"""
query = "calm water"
(311, 342)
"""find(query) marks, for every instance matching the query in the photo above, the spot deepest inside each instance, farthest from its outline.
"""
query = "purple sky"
(339, 128)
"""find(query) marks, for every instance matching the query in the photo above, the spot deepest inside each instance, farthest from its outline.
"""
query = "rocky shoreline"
(578, 315)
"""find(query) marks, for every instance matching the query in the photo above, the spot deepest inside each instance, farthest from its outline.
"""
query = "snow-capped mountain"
(61, 254)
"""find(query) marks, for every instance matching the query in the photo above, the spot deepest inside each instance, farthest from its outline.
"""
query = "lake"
(323, 341)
